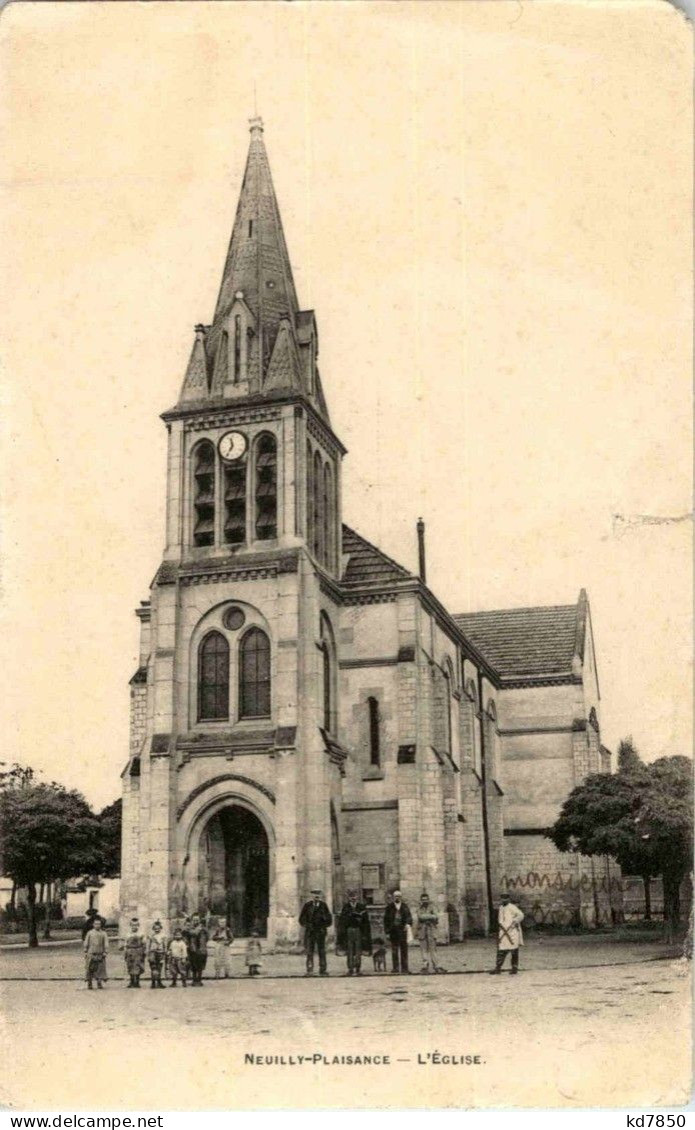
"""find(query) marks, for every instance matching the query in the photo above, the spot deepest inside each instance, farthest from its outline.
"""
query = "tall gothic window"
(266, 487)
(237, 348)
(254, 675)
(327, 695)
(235, 502)
(213, 678)
(448, 677)
(309, 497)
(374, 735)
(204, 494)
(328, 516)
(318, 509)
(329, 669)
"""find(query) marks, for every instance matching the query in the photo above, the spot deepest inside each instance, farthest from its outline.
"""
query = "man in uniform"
(354, 933)
(397, 919)
(315, 918)
(509, 935)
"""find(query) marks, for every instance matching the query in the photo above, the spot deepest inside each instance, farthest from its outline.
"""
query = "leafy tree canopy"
(629, 760)
(642, 817)
(110, 838)
(46, 833)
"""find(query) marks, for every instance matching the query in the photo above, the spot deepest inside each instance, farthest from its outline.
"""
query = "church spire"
(259, 341)
(257, 261)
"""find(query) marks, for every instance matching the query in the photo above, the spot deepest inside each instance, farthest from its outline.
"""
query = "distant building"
(306, 712)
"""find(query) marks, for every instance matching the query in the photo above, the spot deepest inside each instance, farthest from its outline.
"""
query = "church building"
(306, 712)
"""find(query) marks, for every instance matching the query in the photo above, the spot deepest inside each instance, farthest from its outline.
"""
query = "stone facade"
(367, 738)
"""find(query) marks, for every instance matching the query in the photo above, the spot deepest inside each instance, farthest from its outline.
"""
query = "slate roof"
(526, 641)
(367, 565)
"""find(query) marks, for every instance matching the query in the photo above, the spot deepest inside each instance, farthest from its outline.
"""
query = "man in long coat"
(196, 938)
(354, 933)
(397, 919)
(509, 934)
(315, 917)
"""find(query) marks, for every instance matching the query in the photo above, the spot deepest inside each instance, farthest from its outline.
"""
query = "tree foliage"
(46, 833)
(110, 839)
(642, 816)
(629, 760)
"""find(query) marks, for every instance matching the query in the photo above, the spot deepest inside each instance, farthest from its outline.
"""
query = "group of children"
(183, 958)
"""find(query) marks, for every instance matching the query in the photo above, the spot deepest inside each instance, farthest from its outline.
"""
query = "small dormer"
(308, 341)
(232, 363)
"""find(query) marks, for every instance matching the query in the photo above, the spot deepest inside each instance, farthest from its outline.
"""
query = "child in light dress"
(222, 941)
(178, 959)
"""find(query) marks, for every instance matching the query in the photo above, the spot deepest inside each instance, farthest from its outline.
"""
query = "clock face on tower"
(232, 446)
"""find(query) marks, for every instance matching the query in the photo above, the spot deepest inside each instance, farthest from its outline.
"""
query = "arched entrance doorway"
(235, 862)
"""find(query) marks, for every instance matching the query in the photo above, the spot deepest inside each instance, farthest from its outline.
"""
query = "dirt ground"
(583, 1024)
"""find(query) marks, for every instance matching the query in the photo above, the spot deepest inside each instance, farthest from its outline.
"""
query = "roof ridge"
(522, 608)
(375, 548)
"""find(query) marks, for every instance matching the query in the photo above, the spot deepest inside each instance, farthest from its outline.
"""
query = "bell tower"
(237, 482)
(234, 755)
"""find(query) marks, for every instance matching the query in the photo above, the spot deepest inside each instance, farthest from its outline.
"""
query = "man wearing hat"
(315, 918)
(196, 938)
(354, 933)
(156, 954)
(427, 921)
(509, 935)
(397, 919)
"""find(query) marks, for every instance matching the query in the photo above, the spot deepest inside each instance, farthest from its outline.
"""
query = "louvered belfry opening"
(266, 488)
(235, 503)
(204, 495)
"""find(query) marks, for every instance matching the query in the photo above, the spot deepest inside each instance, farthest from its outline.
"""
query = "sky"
(489, 207)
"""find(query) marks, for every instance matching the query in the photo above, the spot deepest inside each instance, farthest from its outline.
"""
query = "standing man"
(96, 947)
(315, 918)
(509, 935)
(354, 933)
(427, 921)
(196, 937)
(397, 919)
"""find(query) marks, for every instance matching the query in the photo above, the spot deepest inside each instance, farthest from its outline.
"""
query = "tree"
(629, 760)
(110, 838)
(642, 818)
(46, 833)
(642, 861)
(664, 821)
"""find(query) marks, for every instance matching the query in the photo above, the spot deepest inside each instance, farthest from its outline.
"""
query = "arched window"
(472, 695)
(327, 695)
(492, 764)
(237, 348)
(266, 487)
(327, 516)
(374, 734)
(254, 675)
(309, 498)
(222, 362)
(328, 671)
(448, 679)
(204, 494)
(213, 678)
(318, 509)
(235, 502)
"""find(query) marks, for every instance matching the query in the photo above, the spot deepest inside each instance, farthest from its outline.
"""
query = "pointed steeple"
(257, 261)
(259, 340)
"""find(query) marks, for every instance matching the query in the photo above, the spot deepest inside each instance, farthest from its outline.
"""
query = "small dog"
(379, 956)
